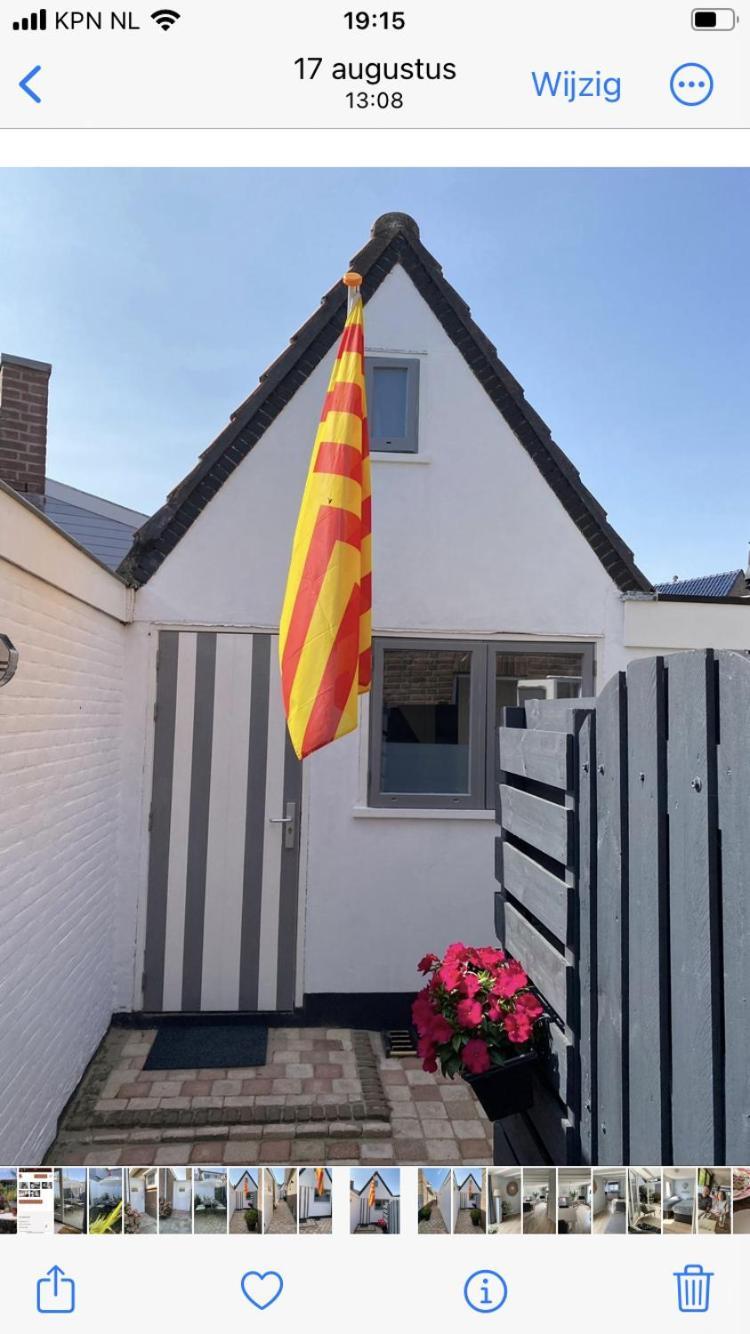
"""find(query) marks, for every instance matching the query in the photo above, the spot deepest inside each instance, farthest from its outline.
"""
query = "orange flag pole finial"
(325, 635)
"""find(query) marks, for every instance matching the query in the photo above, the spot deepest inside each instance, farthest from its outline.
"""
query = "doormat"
(208, 1047)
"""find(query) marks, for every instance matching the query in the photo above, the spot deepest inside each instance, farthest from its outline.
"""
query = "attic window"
(393, 403)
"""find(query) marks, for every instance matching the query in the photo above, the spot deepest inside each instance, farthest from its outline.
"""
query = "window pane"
(523, 676)
(426, 707)
(388, 409)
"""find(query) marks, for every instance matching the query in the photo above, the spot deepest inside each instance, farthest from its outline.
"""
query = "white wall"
(468, 540)
(665, 626)
(61, 780)
(444, 1201)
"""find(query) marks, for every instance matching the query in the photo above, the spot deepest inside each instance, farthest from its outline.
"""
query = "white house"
(243, 1191)
(210, 1183)
(154, 823)
(315, 1196)
(384, 1206)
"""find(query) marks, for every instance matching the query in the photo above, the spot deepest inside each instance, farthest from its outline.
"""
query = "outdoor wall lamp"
(8, 660)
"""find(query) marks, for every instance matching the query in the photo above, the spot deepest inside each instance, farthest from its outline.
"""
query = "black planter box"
(506, 1089)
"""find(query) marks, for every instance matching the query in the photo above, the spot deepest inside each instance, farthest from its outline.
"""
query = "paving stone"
(376, 1129)
(305, 1128)
(141, 1155)
(376, 1152)
(207, 1152)
(226, 1088)
(416, 1077)
(270, 1150)
(392, 1077)
(197, 1088)
(245, 1132)
(404, 1128)
(437, 1130)
(342, 1150)
(178, 1133)
(410, 1150)
(142, 1136)
(400, 1093)
(112, 1105)
(345, 1129)
(171, 1155)
(468, 1129)
(443, 1151)
(174, 1104)
(432, 1110)
(472, 1148)
(424, 1093)
(202, 1104)
(299, 1072)
(97, 1159)
(276, 1130)
(165, 1088)
(455, 1092)
(287, 1085)
(143, 1104)
(308, 1151)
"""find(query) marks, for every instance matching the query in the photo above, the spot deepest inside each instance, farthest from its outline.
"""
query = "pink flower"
(440, 1030)
(425, 964)
(518, 1027)
(469, 1013)
(488, 957)
(493, 1012)
(510, 979)
(475, 1056)
(528, 1004)
(422, 1012)
(470, 984)
(450, 975)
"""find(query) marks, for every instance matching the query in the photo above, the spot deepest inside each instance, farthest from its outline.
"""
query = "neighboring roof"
(729, 584)
(102, 528)
(394, 240)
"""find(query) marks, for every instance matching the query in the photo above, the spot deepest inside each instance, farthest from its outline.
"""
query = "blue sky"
(390, 1175)
(435, 1176)
(619, 300)
(464, 1172)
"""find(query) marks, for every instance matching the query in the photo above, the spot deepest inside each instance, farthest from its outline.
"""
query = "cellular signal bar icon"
(36, 22)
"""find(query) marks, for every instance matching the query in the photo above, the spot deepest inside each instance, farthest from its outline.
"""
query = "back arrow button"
(26, 80)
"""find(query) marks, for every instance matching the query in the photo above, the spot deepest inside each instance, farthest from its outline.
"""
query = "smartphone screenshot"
(375, 665)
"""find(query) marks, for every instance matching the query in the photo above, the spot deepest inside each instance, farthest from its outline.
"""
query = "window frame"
(482, 721)
(428, 800)
(587, 652)
(409, 443)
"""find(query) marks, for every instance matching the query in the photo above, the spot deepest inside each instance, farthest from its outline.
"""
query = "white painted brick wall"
(61, 735)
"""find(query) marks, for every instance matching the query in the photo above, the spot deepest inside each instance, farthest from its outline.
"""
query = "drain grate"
(400, 1042)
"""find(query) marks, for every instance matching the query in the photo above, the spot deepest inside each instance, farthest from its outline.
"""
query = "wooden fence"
(624, 868)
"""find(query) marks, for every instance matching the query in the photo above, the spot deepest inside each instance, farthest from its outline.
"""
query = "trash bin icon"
(693, 1288)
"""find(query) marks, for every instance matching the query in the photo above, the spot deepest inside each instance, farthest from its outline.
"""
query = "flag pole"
(352, 281)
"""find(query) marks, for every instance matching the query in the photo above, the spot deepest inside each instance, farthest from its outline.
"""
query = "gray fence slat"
(647, 917)
(696, 1076)
(611, 936)
(543, 824)
(547, 968)
(587, 975)
(554, 1127)
(522, 1142)
(554, 715)
(733, 793)
(539, 891)
(539, 755)
(558, 1068)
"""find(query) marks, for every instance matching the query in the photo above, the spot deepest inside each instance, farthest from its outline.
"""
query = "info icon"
(485, 1291)
(691, 84)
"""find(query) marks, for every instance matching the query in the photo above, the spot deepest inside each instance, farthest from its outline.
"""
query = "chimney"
(24, 387)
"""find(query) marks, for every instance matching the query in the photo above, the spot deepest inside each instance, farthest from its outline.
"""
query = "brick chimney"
(24, 387)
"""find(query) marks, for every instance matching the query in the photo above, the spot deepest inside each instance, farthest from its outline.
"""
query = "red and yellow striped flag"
(320, 1173)
(372, 1193)
(325, 639)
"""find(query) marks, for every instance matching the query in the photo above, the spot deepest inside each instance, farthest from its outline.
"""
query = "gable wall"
(469, 540)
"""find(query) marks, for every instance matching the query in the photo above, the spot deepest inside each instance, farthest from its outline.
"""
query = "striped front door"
(223, 890)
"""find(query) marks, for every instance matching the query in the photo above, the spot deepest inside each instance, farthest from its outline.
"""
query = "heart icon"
(262, 1289)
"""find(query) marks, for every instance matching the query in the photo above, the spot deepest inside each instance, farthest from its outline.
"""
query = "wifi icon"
(166, 18)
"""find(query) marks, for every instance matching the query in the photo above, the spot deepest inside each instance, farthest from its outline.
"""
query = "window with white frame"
(436, 706)
(392, 385)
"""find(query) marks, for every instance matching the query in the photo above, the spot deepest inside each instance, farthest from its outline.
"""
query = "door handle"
(289, 821)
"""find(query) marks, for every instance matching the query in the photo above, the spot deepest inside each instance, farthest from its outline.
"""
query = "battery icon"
(714, 20)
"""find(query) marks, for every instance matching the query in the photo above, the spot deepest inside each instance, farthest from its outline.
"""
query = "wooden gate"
(624, 868)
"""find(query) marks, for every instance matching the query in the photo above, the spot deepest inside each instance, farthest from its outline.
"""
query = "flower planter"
(506, 1089)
